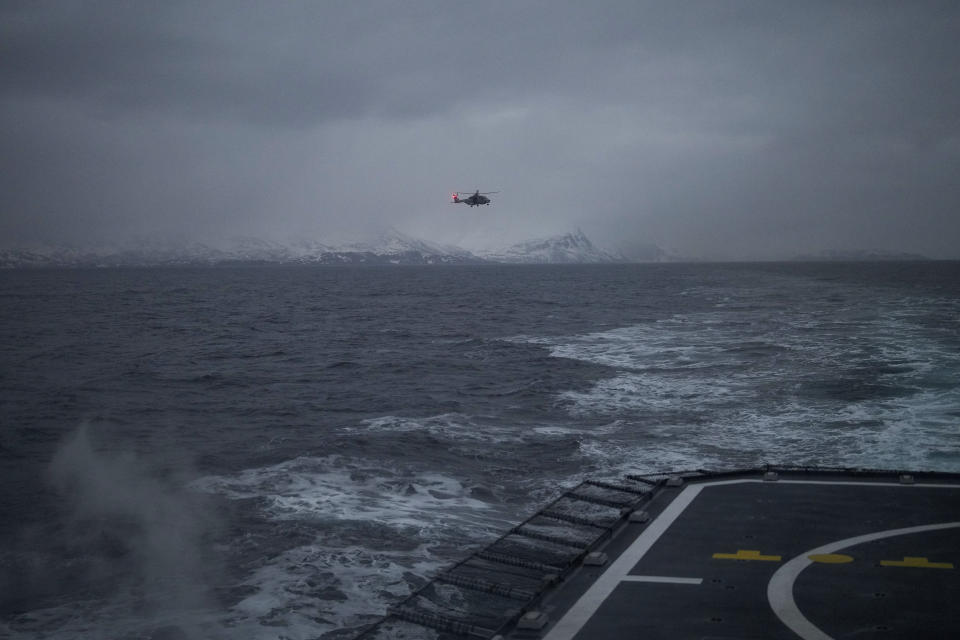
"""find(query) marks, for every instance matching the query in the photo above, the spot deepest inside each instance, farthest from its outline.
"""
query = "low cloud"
(743, 130)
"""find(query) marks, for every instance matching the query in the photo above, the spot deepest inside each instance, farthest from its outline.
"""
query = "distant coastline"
(391, 248)
(870, 255)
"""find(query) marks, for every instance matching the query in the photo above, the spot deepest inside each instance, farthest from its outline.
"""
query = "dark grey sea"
(283, 452)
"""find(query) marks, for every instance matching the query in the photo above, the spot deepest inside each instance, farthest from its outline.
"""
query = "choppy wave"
(336, 488)
(869, 388)
(378, 530)
(322, 440)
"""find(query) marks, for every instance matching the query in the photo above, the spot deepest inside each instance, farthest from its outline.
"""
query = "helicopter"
(475, 200)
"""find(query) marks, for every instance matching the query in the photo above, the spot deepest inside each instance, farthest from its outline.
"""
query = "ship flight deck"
(770, 553)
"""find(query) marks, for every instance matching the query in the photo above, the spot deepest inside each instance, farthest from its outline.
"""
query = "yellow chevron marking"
(922, 563)
(831, 558)
(746, 554)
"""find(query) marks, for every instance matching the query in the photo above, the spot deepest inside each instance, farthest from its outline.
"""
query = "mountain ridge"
(569, 248)
(389, 247)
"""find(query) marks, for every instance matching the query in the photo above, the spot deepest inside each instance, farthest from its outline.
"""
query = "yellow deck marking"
(746, 554)
(831, 558)
(910, 561)
(780, 587)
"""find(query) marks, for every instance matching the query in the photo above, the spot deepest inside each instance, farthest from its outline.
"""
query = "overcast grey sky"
(719, 129)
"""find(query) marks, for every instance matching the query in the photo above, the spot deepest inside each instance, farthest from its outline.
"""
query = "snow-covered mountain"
(391, 247)
(570, 248)
(111, 255)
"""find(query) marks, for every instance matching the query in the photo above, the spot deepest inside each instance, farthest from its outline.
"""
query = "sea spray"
(134, 530)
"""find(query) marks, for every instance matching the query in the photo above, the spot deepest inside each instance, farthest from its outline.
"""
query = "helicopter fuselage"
(473, 201)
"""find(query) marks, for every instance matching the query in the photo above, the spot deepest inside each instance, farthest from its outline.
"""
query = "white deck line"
(583, 609)
(923, 485)
(780, 587)
(589, 602)
(663, 579)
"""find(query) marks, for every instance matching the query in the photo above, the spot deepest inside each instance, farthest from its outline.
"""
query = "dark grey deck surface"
(778, 553)
(723, 554)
